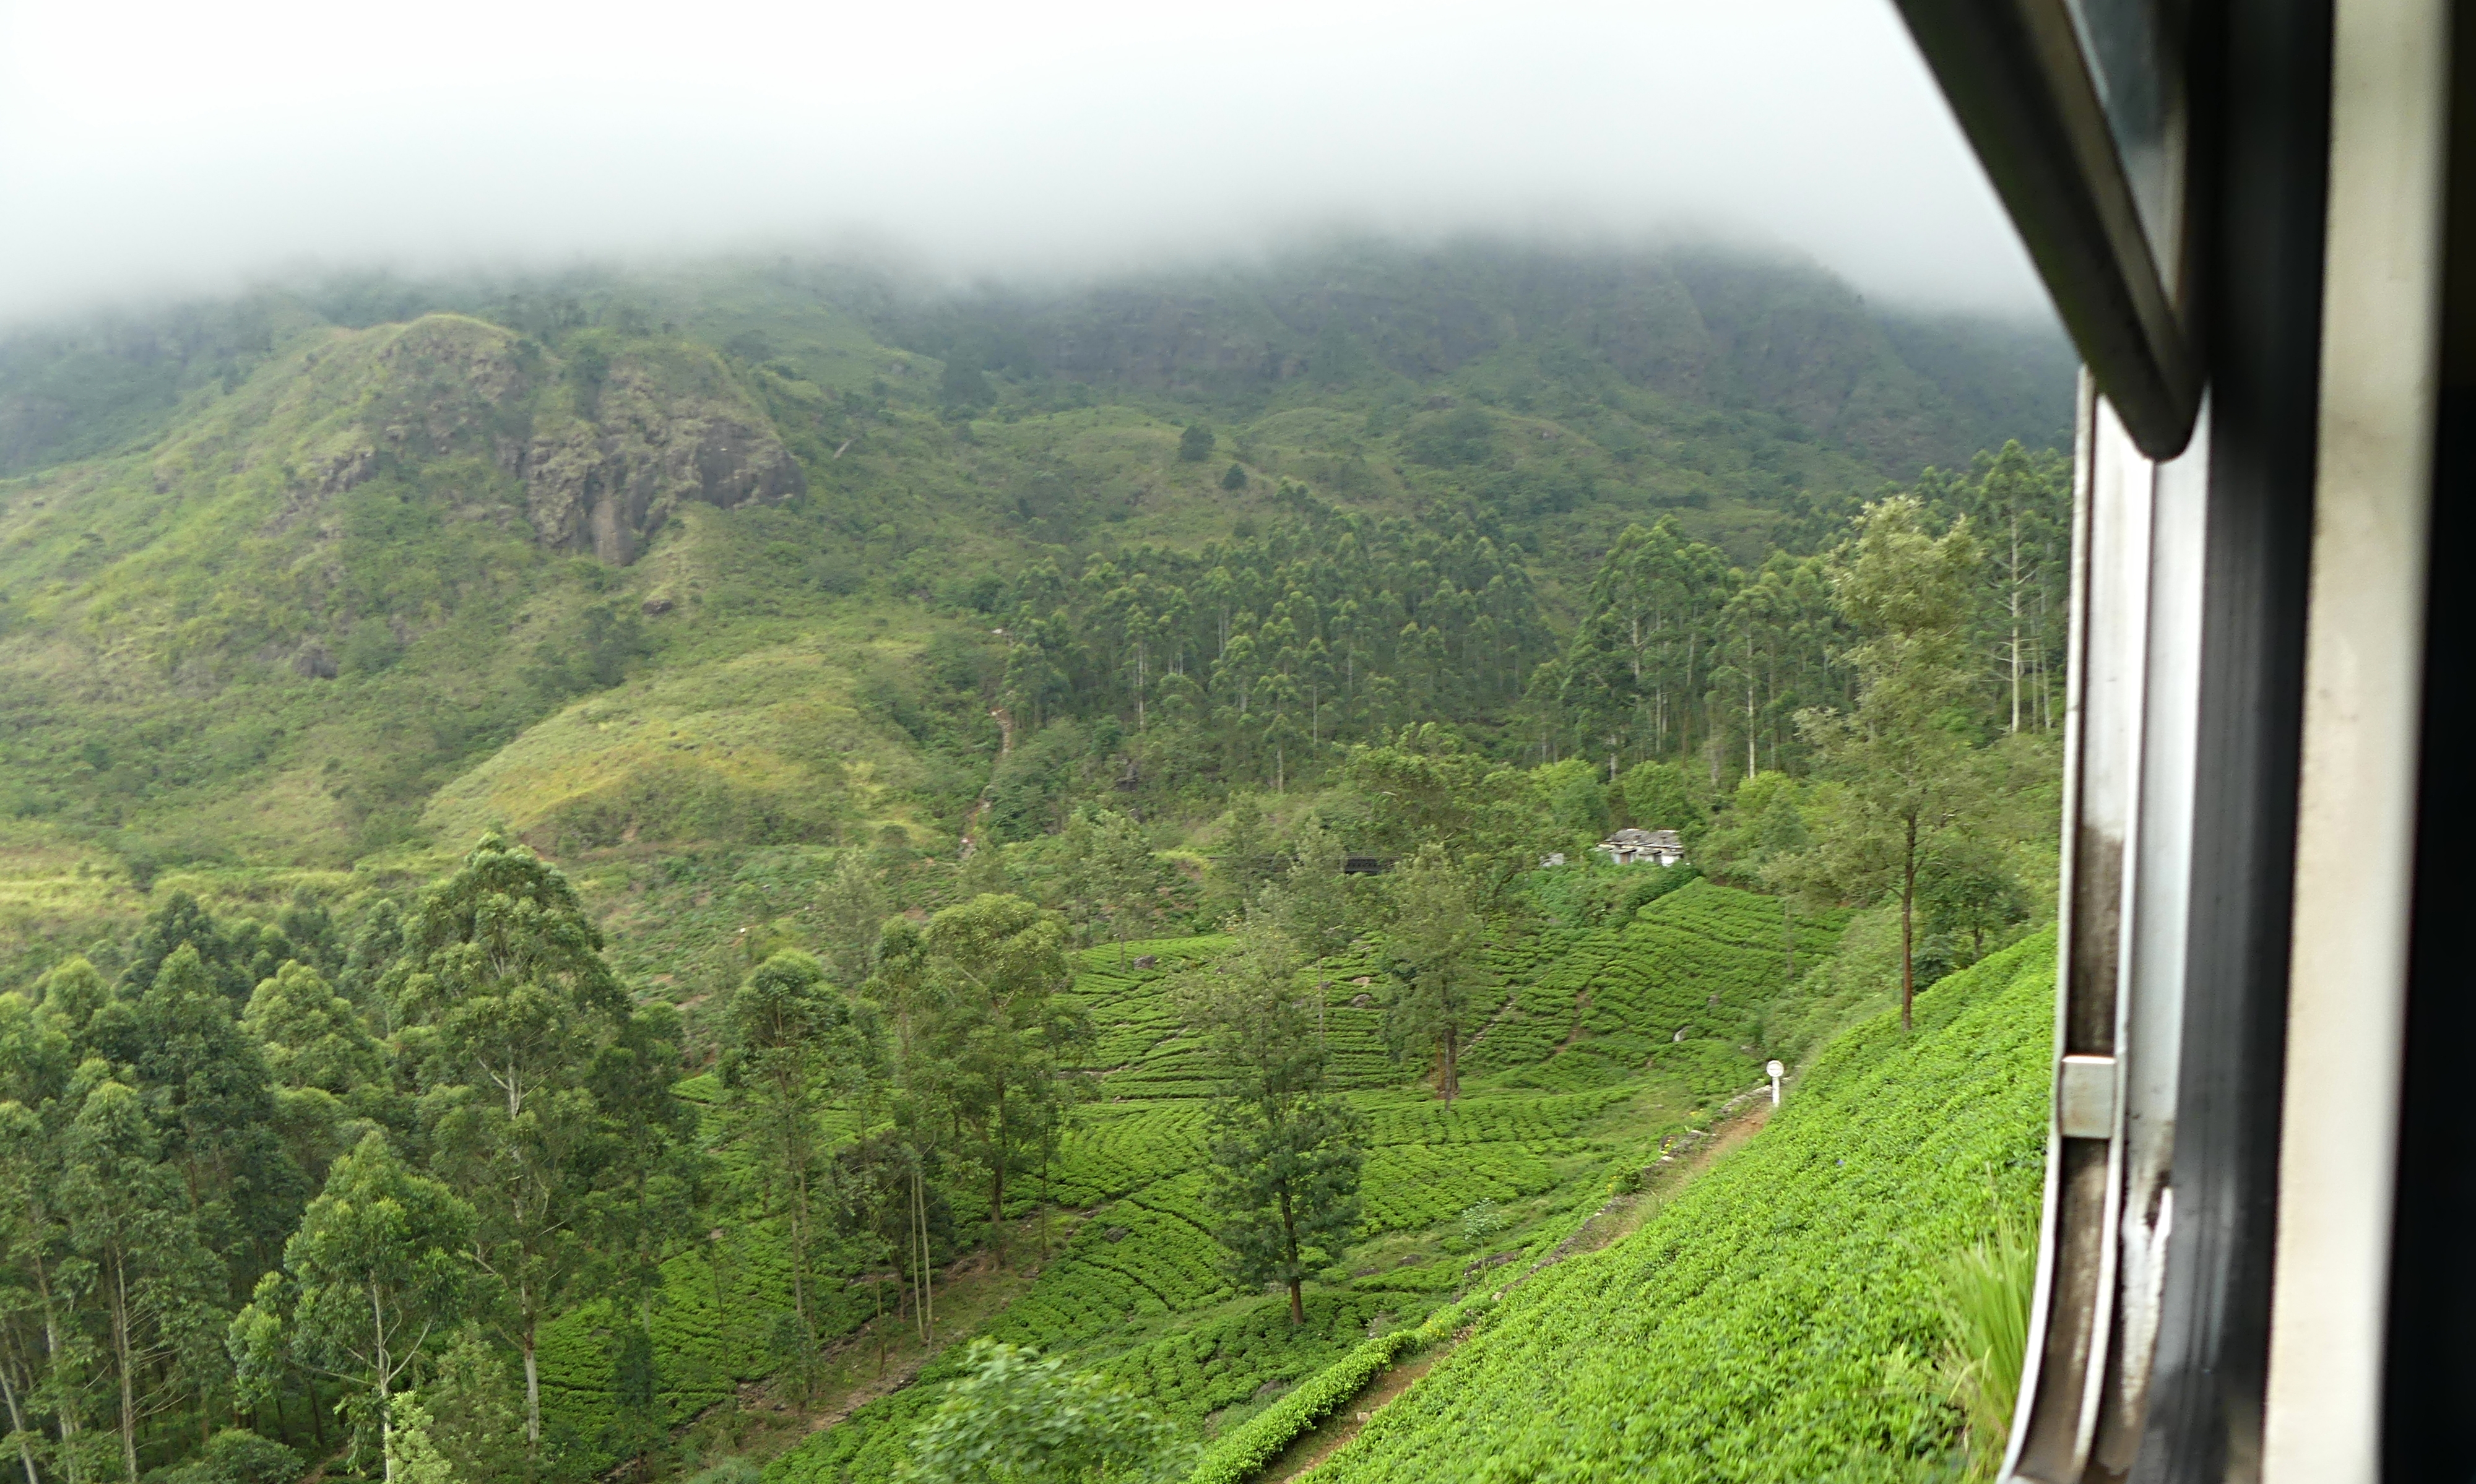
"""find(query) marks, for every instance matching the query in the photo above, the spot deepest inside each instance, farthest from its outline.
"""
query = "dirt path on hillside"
(980, 812)
(1686, 1158)
(1313, 1446)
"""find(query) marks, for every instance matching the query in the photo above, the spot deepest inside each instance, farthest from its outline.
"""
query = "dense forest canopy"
(706, 795)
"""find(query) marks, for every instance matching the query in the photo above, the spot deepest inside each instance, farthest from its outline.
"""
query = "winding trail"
(988, 791)
(1734, 1123)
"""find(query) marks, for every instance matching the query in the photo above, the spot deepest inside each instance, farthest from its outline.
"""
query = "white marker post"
(1776, 1071)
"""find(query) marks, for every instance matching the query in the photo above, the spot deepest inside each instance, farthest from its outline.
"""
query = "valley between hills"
(811, 826)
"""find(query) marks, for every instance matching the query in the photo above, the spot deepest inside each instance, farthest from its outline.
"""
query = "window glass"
(2135, 50)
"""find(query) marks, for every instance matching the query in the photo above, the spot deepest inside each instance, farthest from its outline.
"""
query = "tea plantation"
(1776, 1321)
(1770, 1322)
(1576, 1080)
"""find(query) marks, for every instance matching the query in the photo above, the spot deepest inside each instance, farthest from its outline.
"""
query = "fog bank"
(151, 148)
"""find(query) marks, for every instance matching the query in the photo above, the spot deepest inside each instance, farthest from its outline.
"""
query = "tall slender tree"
(373, 1281)
(1906, 773)
(46, 1352)
(503, 980)
(1285, 1152)
(1436, 934)
(1116, 873)
(154, 1278)
(999, 1029)
(851, 917)
(2021, 506)
(795, 1045)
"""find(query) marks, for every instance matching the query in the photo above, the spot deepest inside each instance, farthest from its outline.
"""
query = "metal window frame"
(2131, 759)
(2014, 73)
(2151, 1328)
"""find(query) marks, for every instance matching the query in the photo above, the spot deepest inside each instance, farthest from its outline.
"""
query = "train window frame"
(2257, 304)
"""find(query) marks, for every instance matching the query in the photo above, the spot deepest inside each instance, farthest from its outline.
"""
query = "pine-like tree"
(1285, 1152)
(1436, 934)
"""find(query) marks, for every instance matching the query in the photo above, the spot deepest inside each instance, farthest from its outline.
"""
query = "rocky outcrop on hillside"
(605, 485)
(604, 460)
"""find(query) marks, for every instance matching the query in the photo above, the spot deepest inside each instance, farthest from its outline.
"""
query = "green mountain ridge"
(708, 551)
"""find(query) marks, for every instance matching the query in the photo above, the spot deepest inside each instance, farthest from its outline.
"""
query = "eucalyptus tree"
(890, 1173)
(1285, 1153)
(206, 1091)
(1435, 937)
(42, 1349)
(28, 1333)
(2021, 504)
(796, 1045)
(1906, 775)
(1638, 661)
(473, 1425)
(310, 1036)
(507, 1002)
(873, 1188)
(1310, 901)
(324, 1064)
(654, 1173)
(996, 1029)
(851, 917)
(377, 942)
(310, 930)
(71, 991)
(181, 921)
(374, 1280)
(1115, 872)
(152, 1276)
(1777, 642)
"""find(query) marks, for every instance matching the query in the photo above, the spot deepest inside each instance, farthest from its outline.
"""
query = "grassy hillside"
(710, 555)
(1134, 1284)
(1776, 1321)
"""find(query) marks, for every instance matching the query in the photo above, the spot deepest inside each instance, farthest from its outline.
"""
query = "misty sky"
(150, 147)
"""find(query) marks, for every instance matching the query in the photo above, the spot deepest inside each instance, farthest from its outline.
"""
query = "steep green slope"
(1700, 326)
(1680, 986)
(1776, 1321)
(77, 390)
(267, 638)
